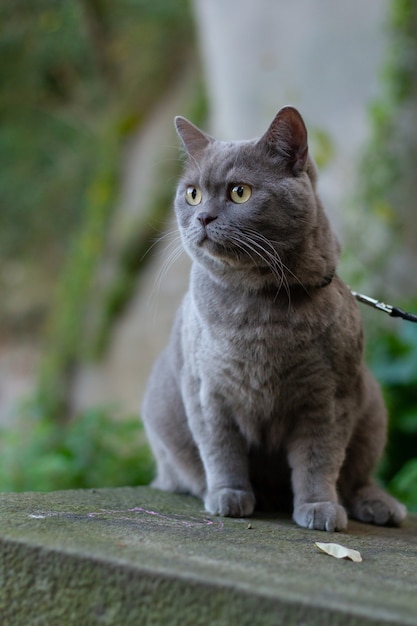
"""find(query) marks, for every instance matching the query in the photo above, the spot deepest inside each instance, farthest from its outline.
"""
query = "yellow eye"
(240, 193)
(193, 195)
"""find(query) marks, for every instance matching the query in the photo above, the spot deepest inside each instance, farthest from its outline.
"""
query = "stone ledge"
(135, 556)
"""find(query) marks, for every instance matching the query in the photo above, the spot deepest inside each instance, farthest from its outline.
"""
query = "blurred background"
(90, 268)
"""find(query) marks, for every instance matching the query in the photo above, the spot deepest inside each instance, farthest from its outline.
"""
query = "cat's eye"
(240, 193)
(193, 195)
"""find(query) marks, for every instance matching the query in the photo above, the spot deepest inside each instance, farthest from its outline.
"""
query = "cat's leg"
(173, 469)
(229, 492)
(179, 466)
(364, 500)
(224, 453)
(315, 456)
(316, 504)
(373, 505)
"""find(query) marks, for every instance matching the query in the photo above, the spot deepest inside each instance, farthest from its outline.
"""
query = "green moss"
(137, 250)
(66, 323)
(141, 556)
(124, 70)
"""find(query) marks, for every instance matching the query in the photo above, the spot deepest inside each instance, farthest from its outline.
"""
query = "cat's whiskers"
(246, 248)
(173, 255)
(248, 243)
(284, 266)
(175, 250)
(273, 258)
(160, 238)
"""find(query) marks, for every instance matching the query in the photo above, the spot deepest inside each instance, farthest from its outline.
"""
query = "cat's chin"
(239, 272)
(235, 260)
(222, 251)
(227, 260)
(215, 250)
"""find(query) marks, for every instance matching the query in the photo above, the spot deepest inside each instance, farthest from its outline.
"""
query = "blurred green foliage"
(392, 355)
(322, 146)
(389, 191)
(149, 48)
(390, 185)
(139, 244)
(77, 78)
(66, 341)
(97, 449)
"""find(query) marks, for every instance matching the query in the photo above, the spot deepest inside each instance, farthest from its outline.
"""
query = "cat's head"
(250, 207)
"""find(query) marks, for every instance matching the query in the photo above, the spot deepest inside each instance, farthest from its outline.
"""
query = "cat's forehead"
(224, 161)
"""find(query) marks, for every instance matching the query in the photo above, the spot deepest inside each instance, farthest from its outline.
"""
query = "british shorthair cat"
(261, 397)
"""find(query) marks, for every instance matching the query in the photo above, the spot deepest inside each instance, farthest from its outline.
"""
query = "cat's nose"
(206, 218)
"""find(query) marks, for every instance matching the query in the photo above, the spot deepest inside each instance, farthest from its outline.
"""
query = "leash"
(393, 311)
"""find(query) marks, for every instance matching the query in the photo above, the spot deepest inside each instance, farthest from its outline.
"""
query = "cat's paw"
(373, 506)
(230, 502)
(321, 516)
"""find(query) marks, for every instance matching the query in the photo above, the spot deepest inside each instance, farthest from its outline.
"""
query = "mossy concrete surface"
(136, 556)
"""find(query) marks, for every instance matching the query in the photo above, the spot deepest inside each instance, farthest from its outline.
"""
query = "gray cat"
(261, 397)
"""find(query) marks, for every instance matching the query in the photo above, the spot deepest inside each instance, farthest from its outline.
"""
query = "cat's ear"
(288, 136)
(193, 139)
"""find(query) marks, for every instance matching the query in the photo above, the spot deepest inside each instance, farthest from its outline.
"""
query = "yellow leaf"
(339, 552)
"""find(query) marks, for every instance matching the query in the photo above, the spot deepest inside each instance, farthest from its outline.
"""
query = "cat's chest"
(251, 361)
(243, 350)
(244, 369)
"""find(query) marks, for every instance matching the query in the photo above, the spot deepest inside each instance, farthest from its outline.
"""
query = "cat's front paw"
(230, 502)
(373, 506)
(321, 516)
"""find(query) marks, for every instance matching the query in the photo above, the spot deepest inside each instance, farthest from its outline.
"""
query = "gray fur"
(261, 394)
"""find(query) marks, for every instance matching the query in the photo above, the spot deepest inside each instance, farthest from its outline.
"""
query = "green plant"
(387, 180)
(80, 78)
(66, 341)
(387, 243)
(96, 449)
(392, 355)
(77, 79)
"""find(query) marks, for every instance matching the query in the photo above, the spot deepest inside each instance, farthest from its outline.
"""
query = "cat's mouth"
(216, 247)
(213, 246)
(230, 253)
(206, 238)
(250, 252)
